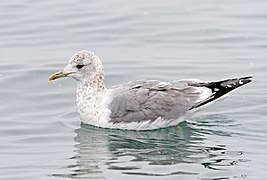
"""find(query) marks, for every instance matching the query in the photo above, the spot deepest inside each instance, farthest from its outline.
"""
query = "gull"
(140, 104)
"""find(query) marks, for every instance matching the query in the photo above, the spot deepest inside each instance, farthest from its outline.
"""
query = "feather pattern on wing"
(147, 100)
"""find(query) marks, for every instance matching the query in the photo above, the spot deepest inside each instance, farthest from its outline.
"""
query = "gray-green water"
(41, 135)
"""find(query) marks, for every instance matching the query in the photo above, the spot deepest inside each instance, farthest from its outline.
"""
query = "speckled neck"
(92, 87)
(89, 97)
(97, 83)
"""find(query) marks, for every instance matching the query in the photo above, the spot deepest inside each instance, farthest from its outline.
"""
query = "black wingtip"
(234, 83)
(246, 79)
(220, 88)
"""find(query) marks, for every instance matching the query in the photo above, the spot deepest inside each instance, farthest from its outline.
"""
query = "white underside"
(142, 125)
(146, 125)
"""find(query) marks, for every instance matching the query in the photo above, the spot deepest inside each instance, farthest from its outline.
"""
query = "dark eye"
(79, 66)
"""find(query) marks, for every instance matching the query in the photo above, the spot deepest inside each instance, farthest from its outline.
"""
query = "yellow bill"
(57, 75)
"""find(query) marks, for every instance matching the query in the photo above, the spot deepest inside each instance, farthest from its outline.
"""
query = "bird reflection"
(100, 151)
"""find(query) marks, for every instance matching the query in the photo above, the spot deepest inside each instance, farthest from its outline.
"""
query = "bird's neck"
(92, 88)
(90, 98)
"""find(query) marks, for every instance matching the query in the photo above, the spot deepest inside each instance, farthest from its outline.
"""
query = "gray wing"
(147, 100)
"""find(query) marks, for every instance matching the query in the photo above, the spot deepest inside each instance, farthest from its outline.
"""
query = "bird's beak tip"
(56, 76)
(59, 74)
(51, 77)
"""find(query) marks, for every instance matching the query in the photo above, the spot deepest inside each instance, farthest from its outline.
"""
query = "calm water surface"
(41, 134)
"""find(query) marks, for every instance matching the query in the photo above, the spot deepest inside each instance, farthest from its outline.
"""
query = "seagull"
(140, 104)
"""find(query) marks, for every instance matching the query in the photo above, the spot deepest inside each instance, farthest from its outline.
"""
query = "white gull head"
(84, 65)
(87, 69)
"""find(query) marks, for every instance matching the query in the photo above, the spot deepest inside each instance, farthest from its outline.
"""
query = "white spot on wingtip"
(162, 84)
